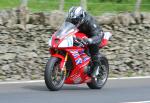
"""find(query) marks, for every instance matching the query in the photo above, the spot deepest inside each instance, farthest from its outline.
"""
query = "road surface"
(115, 91)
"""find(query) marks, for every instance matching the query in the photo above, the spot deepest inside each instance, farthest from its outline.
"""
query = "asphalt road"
(115, 91)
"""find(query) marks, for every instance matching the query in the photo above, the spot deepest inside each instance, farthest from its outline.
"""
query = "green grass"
(8, 3)
(95, 7)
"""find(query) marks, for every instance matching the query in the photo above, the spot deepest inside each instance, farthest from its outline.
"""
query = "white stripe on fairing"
(138, 102)
(107, 35)
(39, 81)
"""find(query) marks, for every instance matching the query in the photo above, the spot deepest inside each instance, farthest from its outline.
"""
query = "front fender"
(62, 63)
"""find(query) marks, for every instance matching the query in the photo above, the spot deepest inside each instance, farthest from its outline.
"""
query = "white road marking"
(138, 77)
(39, 81)
(139, 102)
(22, 82)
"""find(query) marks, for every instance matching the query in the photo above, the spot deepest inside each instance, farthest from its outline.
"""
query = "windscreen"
(65, 29)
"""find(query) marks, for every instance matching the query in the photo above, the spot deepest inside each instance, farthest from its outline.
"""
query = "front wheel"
(99, 81)
(54, 76)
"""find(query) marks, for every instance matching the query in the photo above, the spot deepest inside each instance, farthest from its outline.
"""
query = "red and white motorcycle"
(70, 59)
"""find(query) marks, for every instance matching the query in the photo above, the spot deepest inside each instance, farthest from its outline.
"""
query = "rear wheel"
(99, 81)
(54, 76)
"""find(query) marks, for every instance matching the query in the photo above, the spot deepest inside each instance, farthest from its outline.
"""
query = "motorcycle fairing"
(104, 42)
(77, 74)
(80, 61)
(64, 36)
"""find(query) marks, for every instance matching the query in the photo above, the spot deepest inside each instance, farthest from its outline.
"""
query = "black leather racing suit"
(93, 31)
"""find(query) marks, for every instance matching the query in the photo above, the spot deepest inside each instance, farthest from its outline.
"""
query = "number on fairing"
(68, 42)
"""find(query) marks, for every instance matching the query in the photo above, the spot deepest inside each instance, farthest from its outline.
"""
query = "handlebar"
(79, 42)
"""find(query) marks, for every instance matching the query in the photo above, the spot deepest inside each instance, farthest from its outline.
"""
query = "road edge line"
(138, 77)
(39, 81)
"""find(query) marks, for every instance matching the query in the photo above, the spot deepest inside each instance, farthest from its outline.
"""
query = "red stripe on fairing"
(104, 42)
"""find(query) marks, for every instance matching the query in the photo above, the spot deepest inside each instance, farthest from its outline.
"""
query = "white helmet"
(76, 15)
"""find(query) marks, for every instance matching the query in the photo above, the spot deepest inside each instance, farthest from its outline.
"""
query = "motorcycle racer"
(88, 25)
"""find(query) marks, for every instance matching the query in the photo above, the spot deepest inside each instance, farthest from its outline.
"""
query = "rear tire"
(99, 81)
(49, 72)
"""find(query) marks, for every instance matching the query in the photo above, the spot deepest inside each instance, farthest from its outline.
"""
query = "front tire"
(99, 81)
(54, 76)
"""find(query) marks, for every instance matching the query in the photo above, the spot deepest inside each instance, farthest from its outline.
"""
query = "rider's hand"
(87, 41)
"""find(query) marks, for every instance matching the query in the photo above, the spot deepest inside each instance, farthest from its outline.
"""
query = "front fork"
(64, 68)
(63, 60)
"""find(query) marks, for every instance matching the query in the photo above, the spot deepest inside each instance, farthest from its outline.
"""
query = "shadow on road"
(74, 88)
(64, 88)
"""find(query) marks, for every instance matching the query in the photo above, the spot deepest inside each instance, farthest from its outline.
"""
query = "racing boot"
(95, 66)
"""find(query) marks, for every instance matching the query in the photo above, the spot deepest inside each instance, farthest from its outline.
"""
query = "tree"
(84, 4)
(24, 2)
(23, 13)
(61, 5)
(137, 6)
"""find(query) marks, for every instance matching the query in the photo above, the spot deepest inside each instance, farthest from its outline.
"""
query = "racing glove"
(87, 41)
